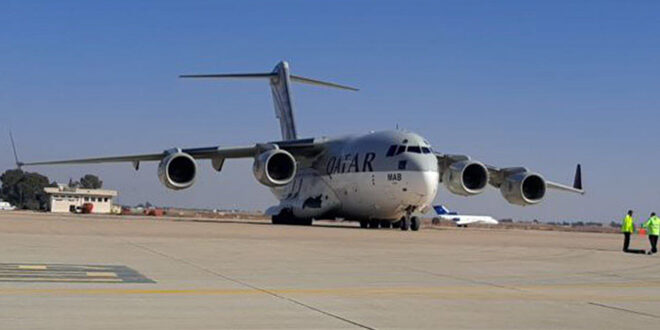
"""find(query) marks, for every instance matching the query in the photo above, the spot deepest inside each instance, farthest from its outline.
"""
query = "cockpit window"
(391, 150)
(394, 150)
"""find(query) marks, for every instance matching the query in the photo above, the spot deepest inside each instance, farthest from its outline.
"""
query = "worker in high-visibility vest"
(652, 225)
(627, 228)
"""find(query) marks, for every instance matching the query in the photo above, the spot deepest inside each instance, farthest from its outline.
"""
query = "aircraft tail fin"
(280, 80)
(440, 209)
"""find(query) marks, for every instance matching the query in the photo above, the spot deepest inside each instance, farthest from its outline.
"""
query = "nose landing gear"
(415, 223)
(410, 222)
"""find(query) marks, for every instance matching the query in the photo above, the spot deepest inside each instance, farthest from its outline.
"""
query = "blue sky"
(540, 84)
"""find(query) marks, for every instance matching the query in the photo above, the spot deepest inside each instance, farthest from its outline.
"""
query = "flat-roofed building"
(66, 199)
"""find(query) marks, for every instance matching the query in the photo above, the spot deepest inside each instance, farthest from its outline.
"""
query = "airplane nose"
(429, 186)
(422, 163)
(425, 185)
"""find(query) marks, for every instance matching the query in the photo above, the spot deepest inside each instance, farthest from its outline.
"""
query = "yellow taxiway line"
(575, 292)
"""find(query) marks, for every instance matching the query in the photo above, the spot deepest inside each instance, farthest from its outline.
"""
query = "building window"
(105, 199)
(93, 199)
(86, 199)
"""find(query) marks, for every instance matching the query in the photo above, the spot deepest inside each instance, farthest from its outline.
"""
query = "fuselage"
(381, 175)
(469, 219)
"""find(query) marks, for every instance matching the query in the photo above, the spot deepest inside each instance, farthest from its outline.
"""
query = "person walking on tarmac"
(627, 228)
(652, 225)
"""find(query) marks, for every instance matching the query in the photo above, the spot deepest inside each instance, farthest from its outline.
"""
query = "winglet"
(13, 147)
(577, 183)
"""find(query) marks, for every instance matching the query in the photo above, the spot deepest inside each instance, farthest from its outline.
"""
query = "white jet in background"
(461, 220)
(5, 206)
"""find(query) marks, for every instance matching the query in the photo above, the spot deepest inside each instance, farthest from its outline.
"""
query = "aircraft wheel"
(385, 224)
(284, 218)
(435, 221)
(276, 220)
(405, 223)
(364, 223)
(373, 224)
(415, 223)
(304, 222)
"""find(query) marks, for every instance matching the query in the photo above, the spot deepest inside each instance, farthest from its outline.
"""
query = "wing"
(518, 185)
(302, 148)
(498, 175)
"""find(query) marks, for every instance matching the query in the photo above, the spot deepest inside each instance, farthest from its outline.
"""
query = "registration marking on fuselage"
(74, 273)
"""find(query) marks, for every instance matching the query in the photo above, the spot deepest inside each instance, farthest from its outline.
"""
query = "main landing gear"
(407, 222)
(286, 218)
(375, 224)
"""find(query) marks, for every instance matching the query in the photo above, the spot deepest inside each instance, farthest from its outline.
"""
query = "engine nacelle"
(274, 168)
(466, 178)
(523, 188)
(177, 170)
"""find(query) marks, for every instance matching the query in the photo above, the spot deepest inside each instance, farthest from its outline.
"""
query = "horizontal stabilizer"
(280, 79)
(231, 75)
(321, 83)
(293, 78)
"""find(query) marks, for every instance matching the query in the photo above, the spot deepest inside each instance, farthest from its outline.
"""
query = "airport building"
(64, 199)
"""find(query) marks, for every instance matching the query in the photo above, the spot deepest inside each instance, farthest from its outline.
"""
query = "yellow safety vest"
(652, 225)
(628, 225)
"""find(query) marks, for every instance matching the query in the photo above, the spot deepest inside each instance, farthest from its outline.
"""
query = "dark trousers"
(654, 243)
(626, 241)
(626, 245)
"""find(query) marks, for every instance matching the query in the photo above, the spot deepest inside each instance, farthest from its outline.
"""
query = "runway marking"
(255, 288)
(32, 267)
(10, 272)
(624, 310)
(66, 280)
(438, 293)
(101, 274)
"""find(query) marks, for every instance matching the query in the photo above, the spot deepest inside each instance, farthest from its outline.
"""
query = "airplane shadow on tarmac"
(262, 223)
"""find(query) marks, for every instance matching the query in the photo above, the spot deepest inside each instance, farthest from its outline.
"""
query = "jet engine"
(523, 188)
(274, 168)
(466, 177)
(177, 170)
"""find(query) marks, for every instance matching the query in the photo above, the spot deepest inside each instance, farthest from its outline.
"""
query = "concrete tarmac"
(108, 272)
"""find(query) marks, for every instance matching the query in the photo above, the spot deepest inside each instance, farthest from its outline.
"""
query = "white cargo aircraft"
(462, 220)
(379, 179)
